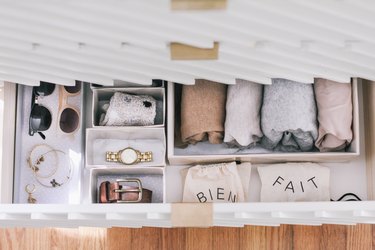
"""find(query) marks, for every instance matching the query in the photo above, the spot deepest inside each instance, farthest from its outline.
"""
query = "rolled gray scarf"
(288, 116)
(242, 122)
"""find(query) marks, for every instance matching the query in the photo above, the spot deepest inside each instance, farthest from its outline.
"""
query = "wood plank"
(92, 238)
(272, 236)
(174, 238)
(333, 237)
(119, 238)
(38, 238)
(146, 238)
(249, 237)
(199, 238)
(307, 237)
(226, 238)
(13, 238)
(253, 237)
(285, 240)
(359, 237)
(64, 238)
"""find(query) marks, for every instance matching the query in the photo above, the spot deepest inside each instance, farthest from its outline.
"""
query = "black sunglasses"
(40, 117)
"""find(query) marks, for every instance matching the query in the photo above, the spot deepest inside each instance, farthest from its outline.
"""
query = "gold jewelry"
(38, 162)
(52, 183)
(30, 189)
(129, 156)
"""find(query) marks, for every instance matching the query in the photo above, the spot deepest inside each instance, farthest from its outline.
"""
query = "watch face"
(128, 156)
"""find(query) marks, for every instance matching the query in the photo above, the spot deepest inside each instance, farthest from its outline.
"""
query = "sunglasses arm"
(42, 135)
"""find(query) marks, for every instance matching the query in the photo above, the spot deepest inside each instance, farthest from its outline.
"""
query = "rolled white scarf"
(242, 123)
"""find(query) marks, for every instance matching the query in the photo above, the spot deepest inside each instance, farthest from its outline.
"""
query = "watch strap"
(145, 157)
(111, 156)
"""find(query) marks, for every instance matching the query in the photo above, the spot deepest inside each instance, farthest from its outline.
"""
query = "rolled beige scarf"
(203, 112)
(334, 101)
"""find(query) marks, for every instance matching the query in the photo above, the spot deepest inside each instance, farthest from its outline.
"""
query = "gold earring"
(30, 189)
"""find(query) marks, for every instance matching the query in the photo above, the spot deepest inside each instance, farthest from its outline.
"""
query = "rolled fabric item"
(242, 122)
(334, 101)
(203, 112)
(288, 116)
(129, 110)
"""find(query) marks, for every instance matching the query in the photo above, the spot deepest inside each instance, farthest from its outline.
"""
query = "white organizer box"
(102, 95)
(258, 40)
(255, 157)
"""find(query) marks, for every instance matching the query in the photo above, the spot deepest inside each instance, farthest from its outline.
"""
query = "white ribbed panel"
(128, 40)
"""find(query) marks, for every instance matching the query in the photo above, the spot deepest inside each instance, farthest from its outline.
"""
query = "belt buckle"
(139, 189)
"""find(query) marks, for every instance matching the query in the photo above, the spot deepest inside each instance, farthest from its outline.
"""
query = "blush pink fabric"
(334, 101)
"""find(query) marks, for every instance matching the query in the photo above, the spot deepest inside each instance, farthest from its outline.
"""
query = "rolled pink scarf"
(334, 101)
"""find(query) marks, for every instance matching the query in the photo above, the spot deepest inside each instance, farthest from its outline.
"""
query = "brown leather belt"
(114, 192)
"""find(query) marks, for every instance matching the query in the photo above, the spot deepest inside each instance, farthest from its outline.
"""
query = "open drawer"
(354, 174)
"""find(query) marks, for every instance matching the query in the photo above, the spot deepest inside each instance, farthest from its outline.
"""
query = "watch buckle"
(139, 189)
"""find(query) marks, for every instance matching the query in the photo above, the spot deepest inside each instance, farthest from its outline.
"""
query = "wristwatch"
(129, 156)
(118, 192)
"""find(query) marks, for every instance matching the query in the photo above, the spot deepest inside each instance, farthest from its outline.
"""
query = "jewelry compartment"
(54, 164)
(206, 152)
(151, 178)
(101, 140)
(102, 97)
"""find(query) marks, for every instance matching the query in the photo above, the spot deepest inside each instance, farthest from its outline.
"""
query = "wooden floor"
(249, 237)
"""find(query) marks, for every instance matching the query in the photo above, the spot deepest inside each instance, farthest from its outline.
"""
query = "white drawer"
(354, 176)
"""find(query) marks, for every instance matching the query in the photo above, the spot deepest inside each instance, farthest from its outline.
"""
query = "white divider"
(342, 54)
(17, 78)
(292, 66)
(328, 63)
(147, 25)
(35, 75)
(266, 68)
(108, 35)
(362, 12)
(58, 72)
(278, 14)
(9, 29)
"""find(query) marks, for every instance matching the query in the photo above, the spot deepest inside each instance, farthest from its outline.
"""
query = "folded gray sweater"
(288, 116)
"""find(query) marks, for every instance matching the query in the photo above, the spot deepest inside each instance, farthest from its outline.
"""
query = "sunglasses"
(40, 117)
(69, 115)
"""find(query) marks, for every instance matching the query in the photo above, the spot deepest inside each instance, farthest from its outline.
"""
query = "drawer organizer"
(255, 41)
(348, 174)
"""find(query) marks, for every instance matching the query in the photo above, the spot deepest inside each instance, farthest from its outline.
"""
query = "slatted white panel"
(99, 42)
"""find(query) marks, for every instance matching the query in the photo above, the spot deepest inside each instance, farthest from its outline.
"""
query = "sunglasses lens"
(69, 120)
(40, 118)
(73, 89)
(44, 89)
